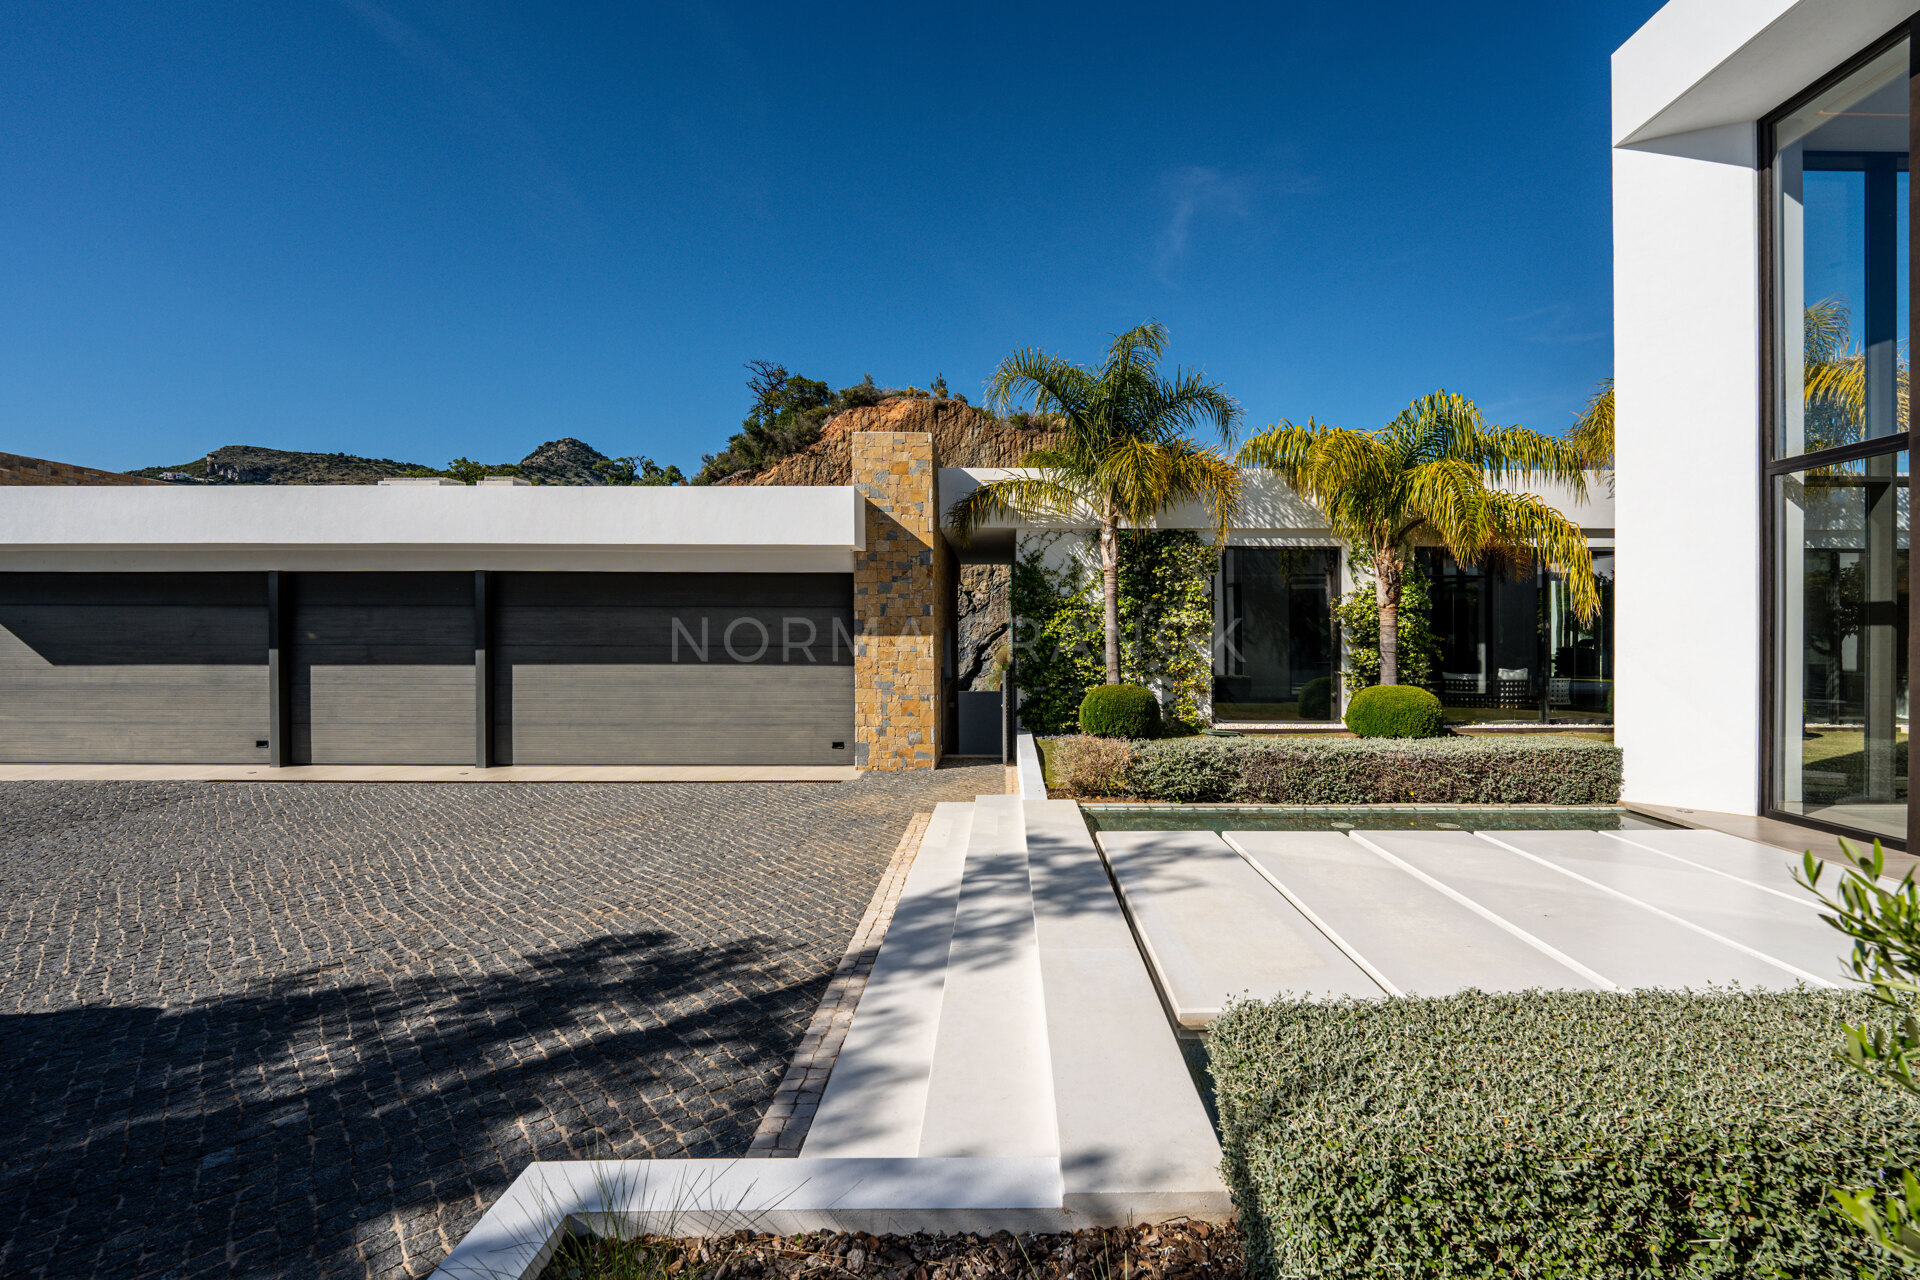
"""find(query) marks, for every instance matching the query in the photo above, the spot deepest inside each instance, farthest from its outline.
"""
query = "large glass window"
(1837, 479)
(1840, 612)
(1276, 657)
(1510, 647)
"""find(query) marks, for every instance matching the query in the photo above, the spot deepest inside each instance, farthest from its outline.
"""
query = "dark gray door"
(382, 667)
(672, 668)
(133, 668)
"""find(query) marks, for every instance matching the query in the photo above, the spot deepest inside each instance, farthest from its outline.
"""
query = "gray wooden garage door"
(137, 668)
(382, 667)
(672, 668)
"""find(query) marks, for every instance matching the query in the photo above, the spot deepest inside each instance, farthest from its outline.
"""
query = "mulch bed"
(1177, 1250)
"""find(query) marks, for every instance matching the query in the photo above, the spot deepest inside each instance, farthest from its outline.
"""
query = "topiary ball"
(1120, 711)
(1316, 699)
(1395, 711)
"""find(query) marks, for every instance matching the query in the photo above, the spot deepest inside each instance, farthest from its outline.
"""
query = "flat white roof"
(427, 526)
(1701, 64)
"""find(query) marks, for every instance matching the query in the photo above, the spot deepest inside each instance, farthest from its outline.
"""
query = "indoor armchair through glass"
(1837, 473)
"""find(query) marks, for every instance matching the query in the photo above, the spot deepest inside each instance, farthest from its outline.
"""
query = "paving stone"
(314, 1029)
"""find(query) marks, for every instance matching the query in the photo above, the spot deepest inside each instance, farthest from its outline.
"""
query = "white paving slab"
(1409, 935)
(877, 1093)
(1213, 928)
(1112, 1054)
(990, 1091)
(519, 1232)
(1620, 942)
(1028, 771)
(1744, 913)
(1729, 855)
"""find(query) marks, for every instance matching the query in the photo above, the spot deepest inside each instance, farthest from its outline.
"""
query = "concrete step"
(1615, 941)
(1408, 935)
(1213, 928)
(990, 1092)
(1786, 931)
(877, 1093)
(1134, 1140)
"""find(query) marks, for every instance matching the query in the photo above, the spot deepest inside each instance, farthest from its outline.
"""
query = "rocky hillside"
(249, 464)
(963, 436)
(562, 461)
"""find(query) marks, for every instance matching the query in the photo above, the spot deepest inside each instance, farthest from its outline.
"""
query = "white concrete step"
(1134, 1140)
(1213, 928)
(1615, 941)
(521, 1230)
(990, 1092)
(1786, 931)
(1408, 935)
(877, 1093)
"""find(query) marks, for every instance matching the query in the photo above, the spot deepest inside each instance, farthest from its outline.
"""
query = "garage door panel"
(705, 715)
(593, 633)
(531, 591)
(382, 668)
(388, 714)
(99, 678)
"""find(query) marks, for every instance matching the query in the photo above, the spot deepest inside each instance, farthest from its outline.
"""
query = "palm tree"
(1121, 454)
(1592, 433)
(1426, 473)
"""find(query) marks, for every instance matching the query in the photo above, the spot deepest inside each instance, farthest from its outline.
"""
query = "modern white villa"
(1762, 313)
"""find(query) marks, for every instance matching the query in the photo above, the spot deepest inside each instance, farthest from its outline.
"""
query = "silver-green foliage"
(1376, 771)
(1552, 1134)
(1884, 924)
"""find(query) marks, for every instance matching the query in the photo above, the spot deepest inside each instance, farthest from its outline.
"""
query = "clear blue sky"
(420, 228)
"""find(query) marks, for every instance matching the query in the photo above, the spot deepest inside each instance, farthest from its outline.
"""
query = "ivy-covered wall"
(1166, 624)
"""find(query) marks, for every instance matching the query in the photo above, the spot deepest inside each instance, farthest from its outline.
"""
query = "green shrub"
(1553, 1134)
(1088, 768)
(1316, 699)
(1188, 770)
(1480, 770)
(1395, 711)
(1120, 711)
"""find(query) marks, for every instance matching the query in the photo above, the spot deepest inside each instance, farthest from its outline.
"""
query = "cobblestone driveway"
(308, 1029)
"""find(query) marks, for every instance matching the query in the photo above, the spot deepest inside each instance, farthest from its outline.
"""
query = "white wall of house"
(425, 527)
(1689, 91)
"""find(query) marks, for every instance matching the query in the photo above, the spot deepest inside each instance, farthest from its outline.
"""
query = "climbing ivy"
(1166, 627)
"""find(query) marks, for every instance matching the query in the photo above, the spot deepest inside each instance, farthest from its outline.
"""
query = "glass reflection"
(1275, 657)
(1840, 614)
(1840, 169)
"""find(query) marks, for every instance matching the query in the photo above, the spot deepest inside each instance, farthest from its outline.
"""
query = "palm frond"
(1592, 432)
(1522, 524)
(1040, 494)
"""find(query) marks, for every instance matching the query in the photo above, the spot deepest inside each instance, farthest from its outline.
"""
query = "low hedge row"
(1553, 1134)
(1342, 770)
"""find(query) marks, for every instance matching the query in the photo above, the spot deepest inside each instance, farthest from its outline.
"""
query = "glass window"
(1276, 656)
(1840, 177)
(1580, 655)
(1840, 618)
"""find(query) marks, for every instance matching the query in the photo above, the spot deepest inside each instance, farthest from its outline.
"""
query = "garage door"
(672, 668)
(382, 667)
(146, 668)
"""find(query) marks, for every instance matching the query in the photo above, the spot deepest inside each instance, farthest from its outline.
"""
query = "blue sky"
(420, 228)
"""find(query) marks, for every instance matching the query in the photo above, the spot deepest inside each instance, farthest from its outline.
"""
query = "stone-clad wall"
(900, 612)
(18, 469)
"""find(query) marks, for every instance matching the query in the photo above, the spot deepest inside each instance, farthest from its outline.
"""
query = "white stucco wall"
(1686, 350)
(418, 527)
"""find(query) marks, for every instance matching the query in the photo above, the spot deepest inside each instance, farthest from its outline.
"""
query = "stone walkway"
(312, 1030)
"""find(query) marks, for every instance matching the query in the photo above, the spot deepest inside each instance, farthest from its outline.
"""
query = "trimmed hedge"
(1119, 711)
(1396, 711)
(1479, 770)
(1553, 1134)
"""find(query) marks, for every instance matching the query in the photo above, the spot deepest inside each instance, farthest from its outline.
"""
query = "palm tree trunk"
(1110, 583)
(1386, 594)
